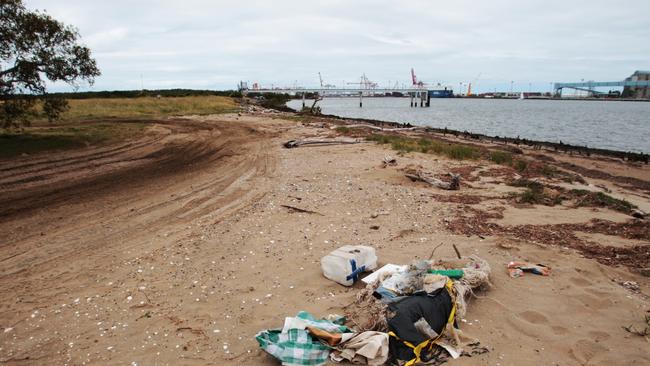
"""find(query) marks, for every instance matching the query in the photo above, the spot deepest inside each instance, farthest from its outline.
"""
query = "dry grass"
(147, 107)
(138, 108)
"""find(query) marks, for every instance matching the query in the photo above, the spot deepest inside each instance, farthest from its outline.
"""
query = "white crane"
(323, 85)
(365, 83)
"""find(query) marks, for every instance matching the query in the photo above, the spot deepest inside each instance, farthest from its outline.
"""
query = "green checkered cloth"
(294, 346)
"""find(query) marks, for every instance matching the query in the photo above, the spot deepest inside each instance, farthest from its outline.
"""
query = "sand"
(176, 249)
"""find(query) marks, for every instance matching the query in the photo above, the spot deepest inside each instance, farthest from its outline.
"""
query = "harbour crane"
(469, 88)
(415, 80)
(323, 85)
(365, 83)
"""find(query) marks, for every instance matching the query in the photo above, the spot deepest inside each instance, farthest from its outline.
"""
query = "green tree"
(34, 48)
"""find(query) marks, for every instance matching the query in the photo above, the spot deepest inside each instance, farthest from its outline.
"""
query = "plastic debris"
(345, 264)
(517, 269)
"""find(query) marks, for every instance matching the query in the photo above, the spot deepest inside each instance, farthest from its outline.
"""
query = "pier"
(637, 85)
(415, 94)
(590, 85)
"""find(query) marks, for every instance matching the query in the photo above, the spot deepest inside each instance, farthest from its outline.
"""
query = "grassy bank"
(85, 122)
(423, 145)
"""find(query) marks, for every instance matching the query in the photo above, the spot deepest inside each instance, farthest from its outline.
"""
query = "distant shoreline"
(500, 98)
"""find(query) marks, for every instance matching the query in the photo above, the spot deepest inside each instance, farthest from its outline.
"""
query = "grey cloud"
(214, 44)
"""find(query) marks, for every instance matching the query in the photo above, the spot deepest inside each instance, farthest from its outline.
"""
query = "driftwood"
(454, 185)
(377, 128)
(298, 209)
(337, 141)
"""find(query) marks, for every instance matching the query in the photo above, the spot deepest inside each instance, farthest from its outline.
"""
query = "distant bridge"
(590, 85)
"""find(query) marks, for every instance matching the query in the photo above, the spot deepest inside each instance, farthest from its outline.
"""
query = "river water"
(614, 125)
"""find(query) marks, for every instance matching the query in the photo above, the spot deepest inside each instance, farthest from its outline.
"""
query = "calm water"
(611, 125)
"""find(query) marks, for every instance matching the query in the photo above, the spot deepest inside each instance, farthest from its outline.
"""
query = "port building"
(638, 92)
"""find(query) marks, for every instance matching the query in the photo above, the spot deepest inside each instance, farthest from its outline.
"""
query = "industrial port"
(636, 87)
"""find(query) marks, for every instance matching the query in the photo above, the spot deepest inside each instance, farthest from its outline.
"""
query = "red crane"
(415, 79)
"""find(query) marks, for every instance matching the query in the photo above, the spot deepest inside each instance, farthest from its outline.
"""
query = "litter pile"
(406, 314)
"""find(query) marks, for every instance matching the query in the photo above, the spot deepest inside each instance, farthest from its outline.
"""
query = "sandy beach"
(177, 248)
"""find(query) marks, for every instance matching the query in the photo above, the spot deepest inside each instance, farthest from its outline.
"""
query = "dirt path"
(177, 249)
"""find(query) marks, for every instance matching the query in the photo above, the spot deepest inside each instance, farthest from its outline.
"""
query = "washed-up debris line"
(377, 128)
(319, 142)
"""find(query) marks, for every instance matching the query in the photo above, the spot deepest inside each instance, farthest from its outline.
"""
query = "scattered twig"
(145, 295)
(298, 209)
(457, 252)
(145, 315)
(643, 333)
(434, 250)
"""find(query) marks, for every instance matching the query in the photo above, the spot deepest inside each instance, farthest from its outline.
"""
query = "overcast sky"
(214, 44)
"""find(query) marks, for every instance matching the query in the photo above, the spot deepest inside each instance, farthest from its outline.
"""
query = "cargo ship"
(437, 91)
(441, 93)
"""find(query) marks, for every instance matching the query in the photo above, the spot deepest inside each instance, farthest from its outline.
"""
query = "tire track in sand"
(54, 230)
